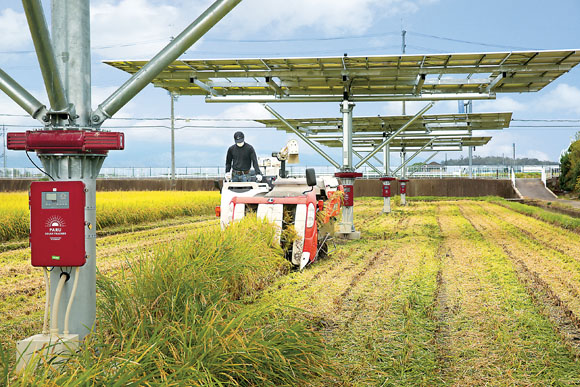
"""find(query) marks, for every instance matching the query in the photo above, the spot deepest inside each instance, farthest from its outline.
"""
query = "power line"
(470, 42)
(309, 39)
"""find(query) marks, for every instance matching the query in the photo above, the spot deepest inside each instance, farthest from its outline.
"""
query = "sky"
(138, 29)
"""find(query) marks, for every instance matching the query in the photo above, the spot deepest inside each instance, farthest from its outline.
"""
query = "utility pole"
(514, 156)
(403, 50)
(4, 145)
(173, 99)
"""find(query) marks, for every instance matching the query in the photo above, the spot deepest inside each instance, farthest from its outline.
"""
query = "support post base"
(353, 235)
(31, 350)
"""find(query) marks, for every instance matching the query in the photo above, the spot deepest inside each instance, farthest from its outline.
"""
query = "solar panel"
(393, 77)
(387, 124)
(410, 143)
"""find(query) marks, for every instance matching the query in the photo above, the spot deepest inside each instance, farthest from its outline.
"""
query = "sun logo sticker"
(55, 222)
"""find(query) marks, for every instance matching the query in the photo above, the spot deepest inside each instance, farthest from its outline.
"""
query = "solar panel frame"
(364, 77)
(410, 144)
(388, 124)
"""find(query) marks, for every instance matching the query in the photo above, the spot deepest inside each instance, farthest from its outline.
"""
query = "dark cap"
(239, 137)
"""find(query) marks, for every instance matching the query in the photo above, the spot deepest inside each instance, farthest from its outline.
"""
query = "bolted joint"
(346, 106)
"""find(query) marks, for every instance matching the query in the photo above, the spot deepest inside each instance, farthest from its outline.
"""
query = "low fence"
(415, 172)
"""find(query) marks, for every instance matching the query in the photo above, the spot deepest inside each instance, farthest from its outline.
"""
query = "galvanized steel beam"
(170, 53)
(45, 53)
(406, 162)
(339, 98)
(426, 161)
(392, 136)
(22, 97)
(302, 137)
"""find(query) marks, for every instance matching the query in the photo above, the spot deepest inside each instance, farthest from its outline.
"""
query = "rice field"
(120, 209)
(440, 292)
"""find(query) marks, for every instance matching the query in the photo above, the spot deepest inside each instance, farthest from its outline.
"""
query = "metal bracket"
(204, 86)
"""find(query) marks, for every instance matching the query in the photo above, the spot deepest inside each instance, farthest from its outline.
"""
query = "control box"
(57, 223)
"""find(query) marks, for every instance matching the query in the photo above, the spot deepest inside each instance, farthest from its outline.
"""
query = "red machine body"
(66, 141)
(57, 223)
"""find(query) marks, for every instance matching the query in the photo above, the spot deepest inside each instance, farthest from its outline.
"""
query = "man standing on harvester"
(239, 160)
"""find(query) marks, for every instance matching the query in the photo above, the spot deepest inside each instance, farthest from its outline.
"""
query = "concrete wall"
(440, 187)
(9, 185)
(416, 187)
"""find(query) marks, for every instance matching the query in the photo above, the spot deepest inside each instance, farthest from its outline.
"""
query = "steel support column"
(387, 159)
(347, 176)
(71, 39)
(346, 109)
(173, 98)
(471, 162)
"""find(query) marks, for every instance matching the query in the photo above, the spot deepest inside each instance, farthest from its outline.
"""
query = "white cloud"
(283, 17)
(134, 29)
(203, 131)
(564, 98)
(14, 31)
(536, 154)
(502, 104)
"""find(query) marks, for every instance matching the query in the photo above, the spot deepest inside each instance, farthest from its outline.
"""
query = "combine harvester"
(305, 210)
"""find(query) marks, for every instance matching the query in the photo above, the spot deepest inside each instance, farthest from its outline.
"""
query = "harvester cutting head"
(303, 209)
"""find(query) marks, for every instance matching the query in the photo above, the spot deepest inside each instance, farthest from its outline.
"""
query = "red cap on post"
(66, 141)
(388, 179)
(348, 175)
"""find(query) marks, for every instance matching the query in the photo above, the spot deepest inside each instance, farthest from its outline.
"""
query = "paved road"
(533, 189)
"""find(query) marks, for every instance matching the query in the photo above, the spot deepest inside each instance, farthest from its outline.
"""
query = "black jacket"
(242, 158)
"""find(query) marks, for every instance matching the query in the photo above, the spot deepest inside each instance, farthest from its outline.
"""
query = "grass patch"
(565, 221)
(176, 317)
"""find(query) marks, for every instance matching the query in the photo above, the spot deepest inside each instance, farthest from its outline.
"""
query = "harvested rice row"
(495, 333)
(362, 295)
(384, 331)
(559, 271)
(551, 236)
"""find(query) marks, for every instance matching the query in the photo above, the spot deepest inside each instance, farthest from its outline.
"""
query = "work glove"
(228, 176)
(258, 178)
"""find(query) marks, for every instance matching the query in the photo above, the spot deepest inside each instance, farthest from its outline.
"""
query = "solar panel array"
(387, 124)
(399, 77)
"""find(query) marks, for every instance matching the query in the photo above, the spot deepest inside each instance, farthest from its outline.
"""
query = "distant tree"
(497, 160)
(570, 167)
